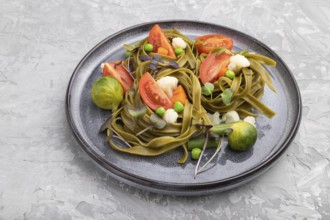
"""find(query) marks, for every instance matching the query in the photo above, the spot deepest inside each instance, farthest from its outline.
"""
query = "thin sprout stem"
(200, 157)
(128, 68)
(213, 156)
(120, 137)
(144, 130)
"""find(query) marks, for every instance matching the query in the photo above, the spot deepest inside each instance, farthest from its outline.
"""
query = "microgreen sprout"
(156, 122)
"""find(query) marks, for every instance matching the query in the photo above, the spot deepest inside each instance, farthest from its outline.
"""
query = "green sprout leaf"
(137, 112)
(226, 96)
(207, 89)
(157, 121)
(221, 51)
(243, 52)
(130, 48)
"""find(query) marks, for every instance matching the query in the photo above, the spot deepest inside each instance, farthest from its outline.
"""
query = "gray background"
(45, 175)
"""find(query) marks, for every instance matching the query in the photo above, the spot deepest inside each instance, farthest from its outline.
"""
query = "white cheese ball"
(251, 120)
(170, 116)
(168, 84)
(178, 42)
(237, 62)
(230, 117)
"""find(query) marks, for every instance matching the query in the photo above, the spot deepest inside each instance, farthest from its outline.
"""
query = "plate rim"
(182, 188)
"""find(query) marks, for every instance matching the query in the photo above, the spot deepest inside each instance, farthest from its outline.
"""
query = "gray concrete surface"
(45, 175)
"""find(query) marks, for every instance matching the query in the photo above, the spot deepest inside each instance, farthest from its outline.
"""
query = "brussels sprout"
(107, 93)
(241, 135)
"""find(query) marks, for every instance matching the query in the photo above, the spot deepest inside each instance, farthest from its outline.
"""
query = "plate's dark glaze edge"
(183, 189)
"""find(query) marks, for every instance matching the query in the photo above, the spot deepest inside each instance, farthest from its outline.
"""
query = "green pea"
(195, 153)
(148, 48)
(230, 74)
(178, 107)
(178, 51)
(128, 53)
(160, 111)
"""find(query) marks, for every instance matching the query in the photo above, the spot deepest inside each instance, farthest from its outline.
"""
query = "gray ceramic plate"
(162, 174)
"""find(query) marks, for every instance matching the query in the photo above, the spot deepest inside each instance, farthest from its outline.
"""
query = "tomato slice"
(158, 39)
(208, 42)
(213, 67)
(117, 70)
(152, 94)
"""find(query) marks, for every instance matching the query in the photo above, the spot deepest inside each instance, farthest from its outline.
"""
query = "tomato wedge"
(213, 67)
(151, 94)
(117, 70)
(158, 39)
(208, 42)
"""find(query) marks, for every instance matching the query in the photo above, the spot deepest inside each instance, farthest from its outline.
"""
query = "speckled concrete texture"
(44, 174)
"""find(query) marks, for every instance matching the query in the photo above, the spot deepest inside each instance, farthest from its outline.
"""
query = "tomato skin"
(118, 72)
(212, 41)
(213, 67)
(151, 94)
(158, 39)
